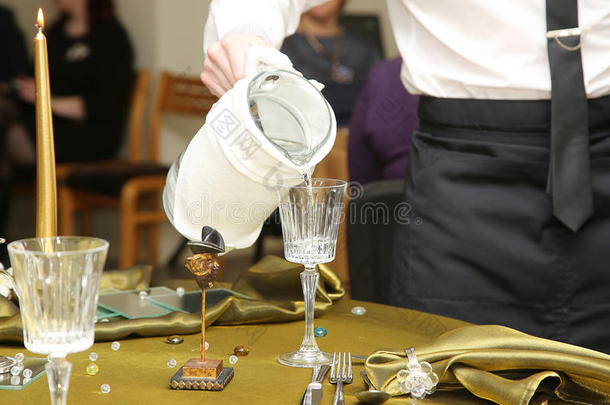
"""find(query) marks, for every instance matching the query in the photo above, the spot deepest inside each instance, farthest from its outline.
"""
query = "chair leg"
(128, 237)
(67, 209)
(131, 217)
(153, 244)
(153, 202)
(85, 221)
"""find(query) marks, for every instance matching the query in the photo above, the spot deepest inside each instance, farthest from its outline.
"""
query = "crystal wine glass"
(310, 223)
(57, 280)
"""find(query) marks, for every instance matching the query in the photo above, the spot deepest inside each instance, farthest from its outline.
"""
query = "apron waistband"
(503, 115)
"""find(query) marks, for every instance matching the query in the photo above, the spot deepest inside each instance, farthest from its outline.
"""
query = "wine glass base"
(305, 359)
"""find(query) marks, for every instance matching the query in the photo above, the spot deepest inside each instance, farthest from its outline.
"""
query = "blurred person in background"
(384, 118)
(323, 50)
(91, 62)
(14, 63)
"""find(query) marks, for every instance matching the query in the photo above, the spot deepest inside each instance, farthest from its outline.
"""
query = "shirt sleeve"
(271, 19)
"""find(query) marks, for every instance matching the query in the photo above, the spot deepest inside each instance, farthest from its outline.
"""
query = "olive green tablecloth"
(138, 374)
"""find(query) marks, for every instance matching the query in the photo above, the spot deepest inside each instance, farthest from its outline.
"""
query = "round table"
(138, 373)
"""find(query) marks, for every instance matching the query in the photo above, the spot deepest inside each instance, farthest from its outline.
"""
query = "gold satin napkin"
(504, 366)
(269, 291)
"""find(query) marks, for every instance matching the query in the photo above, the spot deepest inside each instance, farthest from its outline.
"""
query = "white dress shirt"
(487, 49)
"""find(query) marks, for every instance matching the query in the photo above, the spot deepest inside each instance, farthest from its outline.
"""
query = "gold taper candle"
(46, 183)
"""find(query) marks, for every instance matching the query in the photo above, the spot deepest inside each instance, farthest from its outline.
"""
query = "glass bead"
(180, 291)
(319, 332)
(171, 363)
(115, 346)
(92, 356)
(15, 380)
(142, 294)
(27, 373)
(105, 388)
(104, 320)
(358, 310)
(233, 359)
(92, 369)
(241, 350)
(207, 345)
(174, 340)
(19, 357)
(16, 370)
(26, 381)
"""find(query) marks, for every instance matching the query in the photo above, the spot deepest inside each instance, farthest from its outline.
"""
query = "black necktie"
(569, 180)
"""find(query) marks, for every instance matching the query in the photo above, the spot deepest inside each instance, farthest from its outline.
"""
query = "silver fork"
(341, 374)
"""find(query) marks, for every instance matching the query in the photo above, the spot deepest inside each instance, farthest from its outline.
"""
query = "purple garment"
(380, 131)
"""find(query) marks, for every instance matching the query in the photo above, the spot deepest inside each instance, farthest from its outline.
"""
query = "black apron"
(484, 245)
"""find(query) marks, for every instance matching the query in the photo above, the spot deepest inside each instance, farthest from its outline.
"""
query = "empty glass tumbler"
(57, 280)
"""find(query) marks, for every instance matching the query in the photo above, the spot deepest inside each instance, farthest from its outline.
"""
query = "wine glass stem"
(58, 375)
(309, 280)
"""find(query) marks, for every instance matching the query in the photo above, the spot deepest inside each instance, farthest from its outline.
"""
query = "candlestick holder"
(203, 374)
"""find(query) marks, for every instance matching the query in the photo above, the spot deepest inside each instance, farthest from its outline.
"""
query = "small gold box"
(195, 368)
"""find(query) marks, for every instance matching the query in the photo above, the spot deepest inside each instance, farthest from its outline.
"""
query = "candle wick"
(39, 27)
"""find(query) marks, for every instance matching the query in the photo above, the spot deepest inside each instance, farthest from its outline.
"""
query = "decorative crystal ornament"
(105, 388)
(19, 357)
(171, 363)
(417, 378)
(320, 332)
(92, 356)
(92, 369)
(233, 359)
(27, 373)
(358, 310)
(115, 346)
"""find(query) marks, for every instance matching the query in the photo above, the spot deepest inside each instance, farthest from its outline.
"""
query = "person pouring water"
(509, 175)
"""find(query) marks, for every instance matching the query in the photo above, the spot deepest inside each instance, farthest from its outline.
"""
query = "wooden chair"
(135, 186)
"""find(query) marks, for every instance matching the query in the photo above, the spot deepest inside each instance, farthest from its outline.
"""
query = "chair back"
(373, 216)
(137, 111)
(177, 94)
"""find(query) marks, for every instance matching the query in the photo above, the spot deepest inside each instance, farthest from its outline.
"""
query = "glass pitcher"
(270, 129)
